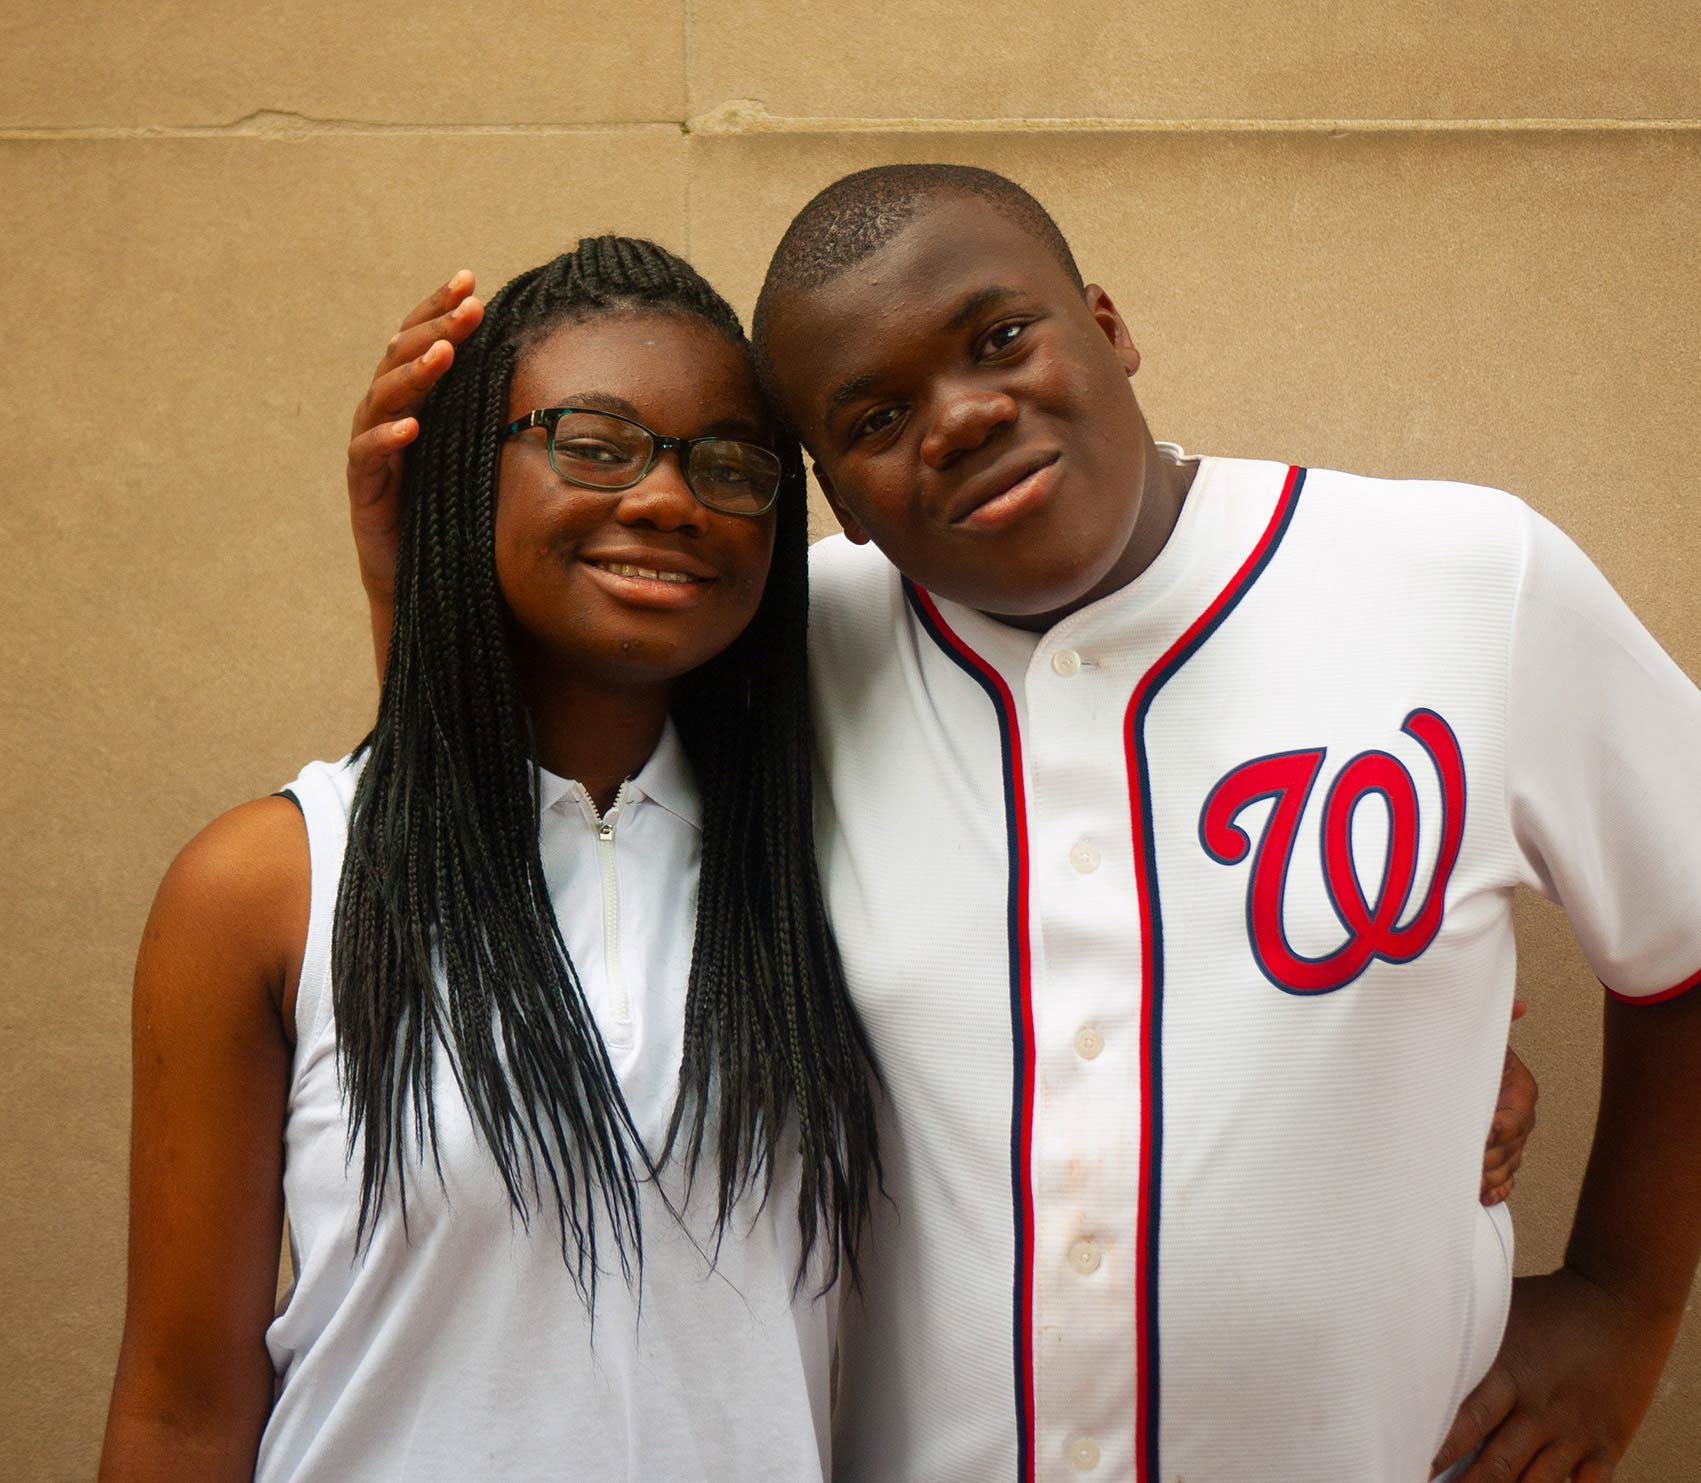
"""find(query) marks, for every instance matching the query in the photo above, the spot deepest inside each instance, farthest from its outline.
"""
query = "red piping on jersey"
(1674, 992)
(1151, 976)
(1022, 1011)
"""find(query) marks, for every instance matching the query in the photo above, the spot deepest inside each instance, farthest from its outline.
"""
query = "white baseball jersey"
(1182, 935)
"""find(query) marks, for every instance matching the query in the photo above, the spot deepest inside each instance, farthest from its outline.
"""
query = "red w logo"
(1372, 923)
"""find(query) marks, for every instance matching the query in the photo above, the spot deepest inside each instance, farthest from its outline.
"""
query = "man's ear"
(1107, 318)
(848, 523)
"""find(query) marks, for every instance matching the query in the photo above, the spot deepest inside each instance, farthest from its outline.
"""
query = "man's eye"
(1002, 337)
(876, 421)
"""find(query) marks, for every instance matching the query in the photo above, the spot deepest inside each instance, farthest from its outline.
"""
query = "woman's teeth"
(621, 569)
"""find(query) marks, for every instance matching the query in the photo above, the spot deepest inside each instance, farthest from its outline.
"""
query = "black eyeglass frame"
(549, 417)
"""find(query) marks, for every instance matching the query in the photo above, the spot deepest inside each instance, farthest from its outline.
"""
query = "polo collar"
(665, 779)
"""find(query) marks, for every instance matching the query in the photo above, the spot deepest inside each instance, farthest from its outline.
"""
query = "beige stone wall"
(1432, 238)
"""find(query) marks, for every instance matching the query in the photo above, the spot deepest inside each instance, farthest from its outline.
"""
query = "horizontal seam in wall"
(739, 119)
(272, 124)
(743, 117)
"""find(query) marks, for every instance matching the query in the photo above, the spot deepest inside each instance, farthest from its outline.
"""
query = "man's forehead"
(957, 260)
(910, 315)
(956, 246)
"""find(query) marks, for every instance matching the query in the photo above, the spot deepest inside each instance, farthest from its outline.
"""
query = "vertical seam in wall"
(688, 35)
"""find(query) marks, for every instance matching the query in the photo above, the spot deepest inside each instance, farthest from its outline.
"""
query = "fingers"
(1519, 1010)
(441, 300)
(1514, 1121)
(1498, 1182)
(1517, 1083)
(1479, 1414)
(1554, 1463)
(398, 393)
(411, 341)
(1510, 1131)
(1509, 1450)
(419, 353)
(1500, 1168)
(1515, 1111)
(371, 452)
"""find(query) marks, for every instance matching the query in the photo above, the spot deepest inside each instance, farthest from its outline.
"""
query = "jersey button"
(1084, 1257)
(1084, 1454)
(1084, 856)
(1088, 1043)
(1066, 662)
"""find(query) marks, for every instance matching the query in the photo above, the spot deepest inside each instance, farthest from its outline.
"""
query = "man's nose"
(964, 418)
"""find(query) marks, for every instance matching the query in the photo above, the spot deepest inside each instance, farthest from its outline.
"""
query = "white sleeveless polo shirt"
(460, 1350)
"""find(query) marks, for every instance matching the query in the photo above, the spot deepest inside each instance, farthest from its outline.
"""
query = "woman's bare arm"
(211, 1046)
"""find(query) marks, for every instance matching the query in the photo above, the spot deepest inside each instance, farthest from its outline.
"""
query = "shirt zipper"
(619, 998)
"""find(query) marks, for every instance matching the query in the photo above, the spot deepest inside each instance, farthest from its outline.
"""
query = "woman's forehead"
(671, 367)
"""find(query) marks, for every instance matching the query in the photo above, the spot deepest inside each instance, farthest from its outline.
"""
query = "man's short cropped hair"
(859, 214)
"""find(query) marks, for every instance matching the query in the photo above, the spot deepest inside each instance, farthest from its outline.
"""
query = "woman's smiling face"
(639, 585)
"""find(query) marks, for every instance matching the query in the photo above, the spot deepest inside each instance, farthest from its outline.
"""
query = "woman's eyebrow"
(724, 427)
(601, 401)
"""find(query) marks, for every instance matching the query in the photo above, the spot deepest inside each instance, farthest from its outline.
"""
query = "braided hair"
(444, 931)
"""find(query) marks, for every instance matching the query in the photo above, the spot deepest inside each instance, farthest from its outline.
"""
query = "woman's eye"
(584, 450)
(1002, 337)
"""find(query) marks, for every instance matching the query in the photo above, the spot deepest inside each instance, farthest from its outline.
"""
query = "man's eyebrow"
(849, 391)
(977, 301)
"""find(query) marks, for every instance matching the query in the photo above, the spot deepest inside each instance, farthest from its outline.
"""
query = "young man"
(1173, 810)
(1132, 1231)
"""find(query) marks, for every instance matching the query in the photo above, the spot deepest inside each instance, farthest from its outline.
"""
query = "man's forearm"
(1637, 1232)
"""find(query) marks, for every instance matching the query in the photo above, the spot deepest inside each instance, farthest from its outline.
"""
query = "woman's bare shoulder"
(233, 908)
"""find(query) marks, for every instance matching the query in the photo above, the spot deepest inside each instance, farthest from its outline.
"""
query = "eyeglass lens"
(610, 453)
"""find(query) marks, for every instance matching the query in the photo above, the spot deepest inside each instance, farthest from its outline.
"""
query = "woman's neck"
(596, 735)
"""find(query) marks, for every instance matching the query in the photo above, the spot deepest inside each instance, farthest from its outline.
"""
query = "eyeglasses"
(600, 450)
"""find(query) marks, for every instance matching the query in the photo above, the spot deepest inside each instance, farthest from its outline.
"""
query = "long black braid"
(445, 933)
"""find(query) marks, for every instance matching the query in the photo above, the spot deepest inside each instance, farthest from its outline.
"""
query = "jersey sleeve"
(1603, 769)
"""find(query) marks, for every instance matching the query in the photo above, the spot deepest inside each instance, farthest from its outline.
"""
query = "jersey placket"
(1088, 1061)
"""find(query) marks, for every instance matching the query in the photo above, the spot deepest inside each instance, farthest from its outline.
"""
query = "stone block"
(1198, 59)
(136, 65)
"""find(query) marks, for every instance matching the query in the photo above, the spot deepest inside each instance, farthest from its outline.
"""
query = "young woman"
(479, 1002)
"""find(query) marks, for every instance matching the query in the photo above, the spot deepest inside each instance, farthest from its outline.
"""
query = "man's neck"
(1162, 494)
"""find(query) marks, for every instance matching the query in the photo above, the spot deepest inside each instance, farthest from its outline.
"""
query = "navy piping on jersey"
(1145, 862)
(1151, 949)
(1021, 1010)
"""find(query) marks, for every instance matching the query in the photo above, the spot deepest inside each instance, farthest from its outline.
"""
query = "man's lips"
(1000, 488)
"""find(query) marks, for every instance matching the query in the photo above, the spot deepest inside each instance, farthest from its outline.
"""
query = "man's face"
(969, 411)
